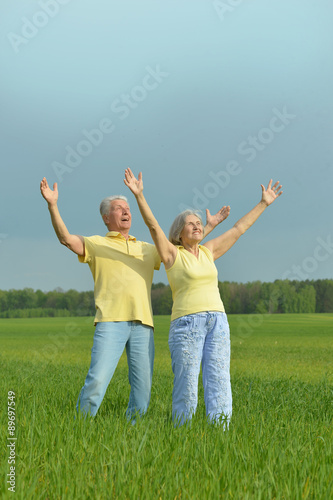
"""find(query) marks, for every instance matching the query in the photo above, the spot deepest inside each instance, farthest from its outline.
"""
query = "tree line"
(28, 303)
(280, 296)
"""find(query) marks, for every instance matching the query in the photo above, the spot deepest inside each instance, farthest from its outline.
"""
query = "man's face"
(119, 217)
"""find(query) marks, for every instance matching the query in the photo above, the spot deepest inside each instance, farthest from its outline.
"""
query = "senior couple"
(123, 268)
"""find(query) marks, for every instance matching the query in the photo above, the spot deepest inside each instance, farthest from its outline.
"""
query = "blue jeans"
(194, 339)
(110, 339)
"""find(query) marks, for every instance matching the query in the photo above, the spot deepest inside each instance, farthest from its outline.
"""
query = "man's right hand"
(50, 196)
(72, 241)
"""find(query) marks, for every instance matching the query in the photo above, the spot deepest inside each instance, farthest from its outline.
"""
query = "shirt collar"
(115, 234)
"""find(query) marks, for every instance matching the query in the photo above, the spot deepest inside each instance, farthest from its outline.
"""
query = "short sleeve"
(207, 252)
(88, 251)
(157, 259)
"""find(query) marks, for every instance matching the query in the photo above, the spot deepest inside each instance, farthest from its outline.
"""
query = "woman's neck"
(192, 248)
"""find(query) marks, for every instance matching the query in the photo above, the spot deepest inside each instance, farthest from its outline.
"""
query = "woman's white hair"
(104, 207)
(178, 225)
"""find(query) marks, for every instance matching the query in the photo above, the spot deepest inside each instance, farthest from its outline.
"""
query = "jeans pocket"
(180, 327)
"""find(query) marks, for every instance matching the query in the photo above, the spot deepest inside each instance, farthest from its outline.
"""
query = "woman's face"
(192, 231)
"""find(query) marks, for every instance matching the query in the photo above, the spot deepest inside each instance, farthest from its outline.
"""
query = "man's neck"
(124, 233)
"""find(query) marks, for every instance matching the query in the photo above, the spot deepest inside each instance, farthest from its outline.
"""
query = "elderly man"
(122, 268)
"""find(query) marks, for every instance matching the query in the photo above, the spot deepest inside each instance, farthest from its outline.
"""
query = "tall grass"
(278, 446)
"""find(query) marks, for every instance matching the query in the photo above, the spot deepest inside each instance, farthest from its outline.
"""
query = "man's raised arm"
(72, 241)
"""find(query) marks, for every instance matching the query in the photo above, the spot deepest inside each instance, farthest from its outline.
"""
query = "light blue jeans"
(110, 340)
(194, 339)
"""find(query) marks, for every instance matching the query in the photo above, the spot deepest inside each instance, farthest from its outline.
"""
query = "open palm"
(133, 183)
(271, 193)
(220, 216)
(51, 196)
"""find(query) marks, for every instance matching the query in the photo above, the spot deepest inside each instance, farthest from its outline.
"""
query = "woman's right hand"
(50, 196)
(133, 183)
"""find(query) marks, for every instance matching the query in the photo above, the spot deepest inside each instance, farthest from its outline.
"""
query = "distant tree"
(225, 294)
(161, 299)
(86, 304)
(282, 296)
(3, 301)
(306, 299)
(158, 285)
(253, 296)
(41, 298)
(324, 295)
(286, 297)
(71, 300)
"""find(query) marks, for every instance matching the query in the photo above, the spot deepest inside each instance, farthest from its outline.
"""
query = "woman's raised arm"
(220, 245)
(165, 248)
(214, 220)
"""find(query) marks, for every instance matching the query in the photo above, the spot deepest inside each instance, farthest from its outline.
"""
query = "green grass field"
(279, 445)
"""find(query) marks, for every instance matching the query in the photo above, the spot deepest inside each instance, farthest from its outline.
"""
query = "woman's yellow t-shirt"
(194, 283)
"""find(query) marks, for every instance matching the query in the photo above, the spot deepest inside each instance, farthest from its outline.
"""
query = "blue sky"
(208, 99)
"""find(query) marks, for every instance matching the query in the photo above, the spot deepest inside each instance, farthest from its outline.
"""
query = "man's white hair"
(105, 204)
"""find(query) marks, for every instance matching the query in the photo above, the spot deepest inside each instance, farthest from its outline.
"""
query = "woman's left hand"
(271, 193)
(220, 216)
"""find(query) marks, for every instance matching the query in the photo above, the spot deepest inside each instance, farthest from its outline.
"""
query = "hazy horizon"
(208, 99)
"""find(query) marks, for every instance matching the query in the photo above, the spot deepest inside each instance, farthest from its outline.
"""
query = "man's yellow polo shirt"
(123, 273)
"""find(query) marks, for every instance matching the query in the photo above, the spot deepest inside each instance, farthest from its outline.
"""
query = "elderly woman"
(199, 330)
